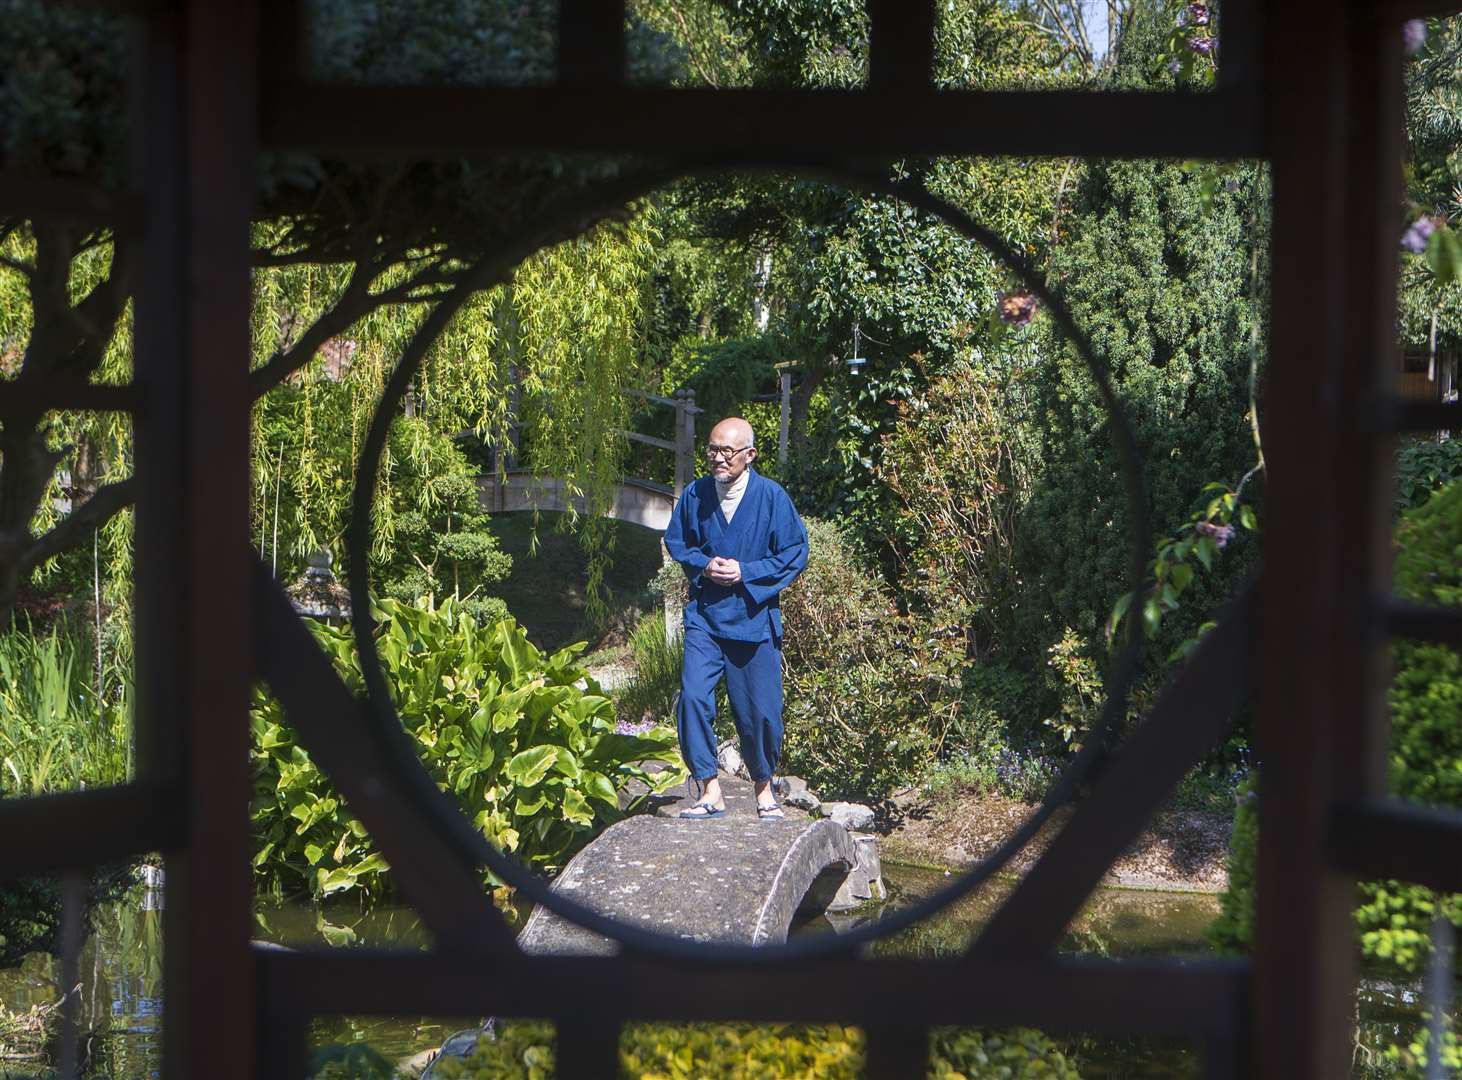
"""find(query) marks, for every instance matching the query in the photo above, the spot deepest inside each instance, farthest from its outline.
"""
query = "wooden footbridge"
(640, 502)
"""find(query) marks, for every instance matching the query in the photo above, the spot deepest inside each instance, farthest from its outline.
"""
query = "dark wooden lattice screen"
(1313, 87)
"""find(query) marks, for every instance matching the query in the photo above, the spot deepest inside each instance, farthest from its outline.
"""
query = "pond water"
(122, 972)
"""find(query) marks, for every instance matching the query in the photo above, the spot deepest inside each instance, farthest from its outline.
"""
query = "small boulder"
(729, 760)
(793, 791)
(855, 817)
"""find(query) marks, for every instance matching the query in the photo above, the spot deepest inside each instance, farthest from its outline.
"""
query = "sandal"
(707, 810)
(770, 812)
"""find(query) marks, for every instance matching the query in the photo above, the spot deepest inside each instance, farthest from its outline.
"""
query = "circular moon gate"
(467, 844)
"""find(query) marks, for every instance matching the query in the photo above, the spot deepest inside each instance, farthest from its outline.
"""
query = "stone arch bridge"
(733, 879)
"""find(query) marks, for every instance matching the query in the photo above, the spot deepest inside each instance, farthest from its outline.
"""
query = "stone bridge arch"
(733, 880)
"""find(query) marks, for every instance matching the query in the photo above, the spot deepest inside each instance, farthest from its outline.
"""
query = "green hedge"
(762, 1052)
(534, 759)
(1394, 918)
(1426, 751)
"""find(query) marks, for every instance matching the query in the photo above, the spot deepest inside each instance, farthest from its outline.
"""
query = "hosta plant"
(525, 742)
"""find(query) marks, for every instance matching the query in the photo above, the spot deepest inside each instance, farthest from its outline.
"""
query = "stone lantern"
(317, 594)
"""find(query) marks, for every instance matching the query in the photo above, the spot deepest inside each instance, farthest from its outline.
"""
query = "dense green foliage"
(1426, 725)
(1159, 275)
(1424, 466)
(749, 1052)
(869, 692)
(534, 760)
(1393, 918)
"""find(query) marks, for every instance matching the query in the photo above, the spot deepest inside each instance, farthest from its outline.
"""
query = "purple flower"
(1202, 44)
(1219, 534)
(625, 727)
(1174, 66)
(1413, 35)
(1415, 238)
(1197, 14)
(1017, 308)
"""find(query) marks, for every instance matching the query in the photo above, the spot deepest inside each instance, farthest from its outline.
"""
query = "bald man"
(740, 541)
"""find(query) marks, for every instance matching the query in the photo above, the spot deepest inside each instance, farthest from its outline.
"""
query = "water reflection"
(122, 973)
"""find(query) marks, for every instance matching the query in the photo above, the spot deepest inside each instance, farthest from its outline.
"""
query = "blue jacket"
(765, 536)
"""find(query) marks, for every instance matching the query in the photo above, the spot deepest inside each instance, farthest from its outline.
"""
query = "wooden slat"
(1238, 44)
(1424, 622)
(1397, 11)
(49, 833)
(591, 42)
(586, 1046)
(209, 1022)
(1304, 974)
(648, 440)
(1391, 839)
(674, 403)
(896, 1052)
(67, 200)
(366, 121)
(1412, 416)
(30, 397)
(900, 44)
(1137, 996)
(1191, 716)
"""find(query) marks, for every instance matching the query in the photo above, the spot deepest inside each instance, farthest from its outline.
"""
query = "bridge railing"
(683, 444)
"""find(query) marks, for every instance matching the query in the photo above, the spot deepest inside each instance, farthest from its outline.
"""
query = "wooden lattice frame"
(1312, 87)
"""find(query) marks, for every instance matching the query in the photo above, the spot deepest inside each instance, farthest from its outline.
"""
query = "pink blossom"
(1219, 534)
(1413, 35)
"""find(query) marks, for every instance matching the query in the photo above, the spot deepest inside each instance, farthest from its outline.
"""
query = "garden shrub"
(870, 693)
(534, 760)
(1426, 725)
(1426, 751)
(762, 1052)
(957, 479)
(1424, 466)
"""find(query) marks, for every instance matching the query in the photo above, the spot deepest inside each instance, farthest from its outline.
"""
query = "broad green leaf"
(333, 881)
(598, 786)
(1205, 550)
(1180, 577)
(576, 809)
(530, 766)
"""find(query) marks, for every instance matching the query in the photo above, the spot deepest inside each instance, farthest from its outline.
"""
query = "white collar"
(735, 487)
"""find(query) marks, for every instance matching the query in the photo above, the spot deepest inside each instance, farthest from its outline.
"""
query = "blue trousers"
(753, 671)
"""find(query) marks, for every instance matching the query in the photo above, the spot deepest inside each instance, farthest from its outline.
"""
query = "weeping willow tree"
(550, 352)
(563, 332)
(467, 266)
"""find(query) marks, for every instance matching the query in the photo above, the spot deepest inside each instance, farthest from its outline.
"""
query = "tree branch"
(354, 303)
(70, 530)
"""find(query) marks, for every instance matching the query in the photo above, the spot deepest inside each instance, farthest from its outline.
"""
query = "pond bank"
(1180, 851)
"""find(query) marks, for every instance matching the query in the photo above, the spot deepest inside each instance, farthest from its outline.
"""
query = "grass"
(657, 674)
(547, 590)
(56, 732)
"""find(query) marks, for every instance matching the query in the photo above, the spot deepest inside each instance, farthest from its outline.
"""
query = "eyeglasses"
(725, 453)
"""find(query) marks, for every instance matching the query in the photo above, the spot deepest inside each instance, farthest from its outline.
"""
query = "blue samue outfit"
(735, 630)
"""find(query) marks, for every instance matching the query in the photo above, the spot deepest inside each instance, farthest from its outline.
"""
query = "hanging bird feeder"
(855, 361)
